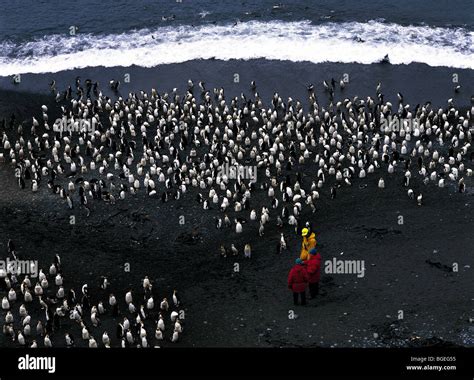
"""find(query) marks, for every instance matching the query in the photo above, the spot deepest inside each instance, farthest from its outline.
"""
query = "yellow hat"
(304, 232)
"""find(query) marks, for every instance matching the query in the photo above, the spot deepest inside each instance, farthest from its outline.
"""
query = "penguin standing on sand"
(69, 340)
(57, 262)
(176, 301)
(283, 243)
(70, 203)
(11, 248)
(85, 297)
(114, 85)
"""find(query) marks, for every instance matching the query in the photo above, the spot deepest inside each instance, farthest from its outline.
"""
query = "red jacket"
(313, 267)
(298, 279)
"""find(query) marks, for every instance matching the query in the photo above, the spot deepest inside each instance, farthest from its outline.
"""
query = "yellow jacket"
(306, 246)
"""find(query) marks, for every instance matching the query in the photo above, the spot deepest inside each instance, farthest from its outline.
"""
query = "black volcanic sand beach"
(408, 266)
(417, 82)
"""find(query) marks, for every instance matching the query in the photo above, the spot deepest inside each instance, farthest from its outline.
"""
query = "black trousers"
(313, 289)
(302, 295)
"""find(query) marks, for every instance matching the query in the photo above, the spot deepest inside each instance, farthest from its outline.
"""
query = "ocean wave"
(293, 41)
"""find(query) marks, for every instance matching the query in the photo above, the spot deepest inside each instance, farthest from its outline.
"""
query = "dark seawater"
(27, 19)
(35, 36)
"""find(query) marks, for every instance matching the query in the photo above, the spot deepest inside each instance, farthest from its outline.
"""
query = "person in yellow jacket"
(309, 242)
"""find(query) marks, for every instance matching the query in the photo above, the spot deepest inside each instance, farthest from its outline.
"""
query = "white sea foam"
(293, 41)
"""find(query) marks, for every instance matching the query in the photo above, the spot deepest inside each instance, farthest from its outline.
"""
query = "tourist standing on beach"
(313, 267)
(298, 282)
(309, 242)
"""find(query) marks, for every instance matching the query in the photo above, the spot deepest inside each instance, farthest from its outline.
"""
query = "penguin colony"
(143, 322)
(164, 145)
(161, 145)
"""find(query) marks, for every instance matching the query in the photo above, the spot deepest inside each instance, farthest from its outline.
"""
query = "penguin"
(47, 341)
(128, 297)
(21, 339)
(174, 316)
(150, 303)
(5, 304)
(177, 326)
(223, 251)
(70, 203)
(247, 251)
(129, 337)
(161, 323)
(105, 283)
(92, 342)
(164, 304)
(146, 284)
(11, 247)
(105, 339)
(227, 222)
(69, 340)
(253, 215)
(85, 333)
(114, 85)
(158, 334)
(238, 227)
(142, 313)
(283, 243)
(419, 199)
(39, 328)
(112, 300)
(175, 298)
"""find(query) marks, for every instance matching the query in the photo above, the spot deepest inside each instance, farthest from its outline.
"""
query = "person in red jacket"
(313, 267)
(298, 282)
